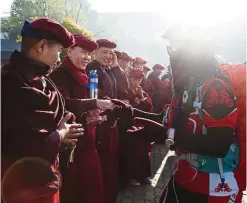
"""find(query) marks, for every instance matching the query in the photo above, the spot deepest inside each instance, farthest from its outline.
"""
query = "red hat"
(85, 43)
(45, 28)
(145, 67)
(106, 43)
(158, 66)
(118, 53)
(139, 60)
(136, 73)
(126, 57)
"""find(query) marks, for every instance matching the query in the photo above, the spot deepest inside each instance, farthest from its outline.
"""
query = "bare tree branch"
(82, 22)
(35, 5)
(99, 32)
(66, 12)
(53, 3)
(78, 14)
(45, 8)
(69, 12)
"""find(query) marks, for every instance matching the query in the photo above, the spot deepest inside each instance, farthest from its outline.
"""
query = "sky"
(162, 5)
(190, 12)
(5, 6)
(199, 13)
(158, 6)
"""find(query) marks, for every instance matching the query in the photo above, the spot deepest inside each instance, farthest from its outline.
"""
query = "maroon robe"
(32, 109)
(162, 92)
(147, 87)
(113, 84)
(83, 179)
(135, 159)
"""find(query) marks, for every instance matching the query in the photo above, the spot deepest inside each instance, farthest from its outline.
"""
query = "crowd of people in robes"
(60, 145)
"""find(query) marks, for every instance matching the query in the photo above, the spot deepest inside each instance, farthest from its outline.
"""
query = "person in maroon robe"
(137, 97)
(138, 63)
(146, 69)
(163, 93)
(146, 84)
(166, 77)
(83, 180)
(135, 149)
(34, 120)
(113, 83)
(124, 61)
(118, 54)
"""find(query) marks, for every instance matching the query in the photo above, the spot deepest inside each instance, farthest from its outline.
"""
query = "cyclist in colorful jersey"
(201, 121)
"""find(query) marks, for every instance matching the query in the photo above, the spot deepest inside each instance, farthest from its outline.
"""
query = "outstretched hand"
(69, 133)
(148, 123)
(104, 104)
(120, 103)
(156, 131)
(121, 111)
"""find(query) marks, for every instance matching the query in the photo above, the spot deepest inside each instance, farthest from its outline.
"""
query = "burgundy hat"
(145, 67)
(45, 28)
(139, 60)
(126, 57)
(106, 43)
(118, 53)
(85, 43)
(136, 73)
(158, 66)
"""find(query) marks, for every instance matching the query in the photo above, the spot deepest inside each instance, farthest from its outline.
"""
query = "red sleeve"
(144, 105)
(218, 104)
(149, 88)
(158, 83)
(149, 103)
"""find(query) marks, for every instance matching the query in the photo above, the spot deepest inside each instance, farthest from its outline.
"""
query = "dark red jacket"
(147, 87)
(32, 109)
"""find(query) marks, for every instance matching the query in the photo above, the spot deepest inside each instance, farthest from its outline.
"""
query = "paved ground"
(161, 165)
(245, 197)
